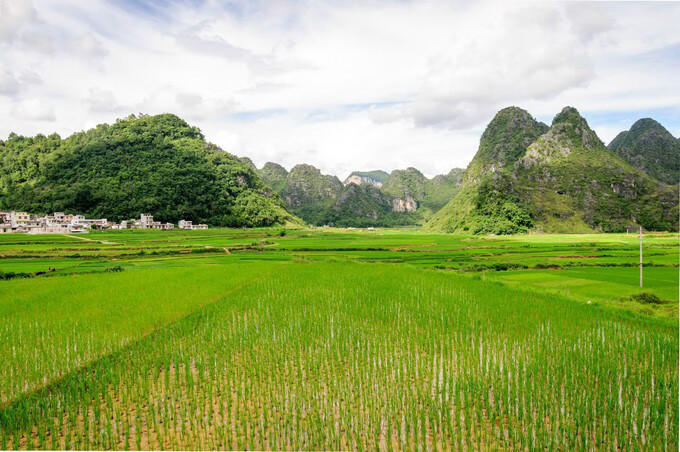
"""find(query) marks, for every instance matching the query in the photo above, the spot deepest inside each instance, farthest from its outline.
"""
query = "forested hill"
(651, 148)
(527, 176)
(366, 198)
(148, 164)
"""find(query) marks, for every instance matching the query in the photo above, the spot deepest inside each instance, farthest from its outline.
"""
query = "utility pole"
(640, 257)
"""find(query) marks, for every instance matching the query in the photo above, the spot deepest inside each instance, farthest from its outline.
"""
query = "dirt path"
(103, 242)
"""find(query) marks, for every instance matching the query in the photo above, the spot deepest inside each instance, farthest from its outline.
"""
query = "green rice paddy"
(337, 339)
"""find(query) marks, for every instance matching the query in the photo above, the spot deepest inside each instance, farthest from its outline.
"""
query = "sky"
(342, 85)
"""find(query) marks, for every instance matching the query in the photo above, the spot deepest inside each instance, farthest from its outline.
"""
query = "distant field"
(337, 339)
(601, 268)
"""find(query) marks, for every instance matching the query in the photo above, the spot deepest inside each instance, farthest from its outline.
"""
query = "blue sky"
(343, 85)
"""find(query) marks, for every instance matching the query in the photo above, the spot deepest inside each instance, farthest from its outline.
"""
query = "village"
(63, 223)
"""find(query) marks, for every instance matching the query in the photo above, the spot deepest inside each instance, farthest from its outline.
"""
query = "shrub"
(648, 298)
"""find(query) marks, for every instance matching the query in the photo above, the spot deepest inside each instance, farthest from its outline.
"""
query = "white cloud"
(502, 57)
(88, 46)
(103, 101)
(358, 143)
(14, 15)
(34, 110)
(9, 85)
(342, 85)
(30, 77)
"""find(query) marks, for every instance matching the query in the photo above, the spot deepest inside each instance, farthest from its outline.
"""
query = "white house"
(187, 224)
(19, 218)
(89, 223)
(146, 221)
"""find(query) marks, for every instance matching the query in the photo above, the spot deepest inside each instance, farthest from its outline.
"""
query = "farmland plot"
(338, 355)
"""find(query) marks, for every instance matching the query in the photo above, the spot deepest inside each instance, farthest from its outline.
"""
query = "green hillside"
(564, 180)
(504, 141)
(274, 175)
(408, 183)
(482, 205)
(248, 162)
(363, 206)
(651, 148)
(149, 164)
(321, 199)
(406, 197)
(306, 185)
(309, 194)
(441, 189)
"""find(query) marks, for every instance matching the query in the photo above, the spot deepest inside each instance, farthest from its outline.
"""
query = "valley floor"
(337, 339)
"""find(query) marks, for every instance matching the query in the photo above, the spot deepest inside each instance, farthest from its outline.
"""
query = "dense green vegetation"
(405, 183)
(439, 190)
(274, 175)
(306, 187)
(497, 211)
(364, 206)
(148, 164)
(651, 148)
(564, 180)
(571, 164)
(504, 141)
(485, 203)
(248, 162)
(308, 193)
(338, 339)
(321, 199)
(424, 196)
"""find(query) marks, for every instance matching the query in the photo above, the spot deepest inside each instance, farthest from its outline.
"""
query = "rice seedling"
(52, 326)
(341, 355)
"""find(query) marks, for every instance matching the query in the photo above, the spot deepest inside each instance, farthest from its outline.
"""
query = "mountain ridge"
(342, 204)
(648, 146)
(564, 180)
(526, 176)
